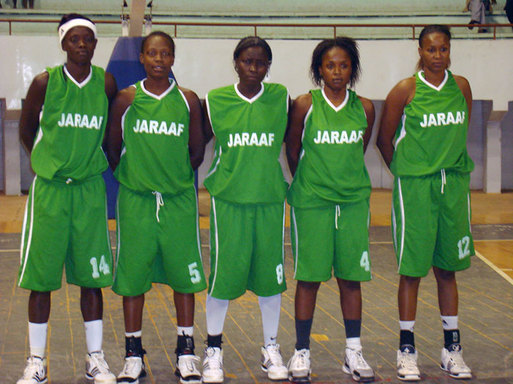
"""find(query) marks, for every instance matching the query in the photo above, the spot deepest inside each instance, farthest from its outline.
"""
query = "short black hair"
(434, 28)
(252, 41)
(161, 34)
(71, 16)
(347, 44)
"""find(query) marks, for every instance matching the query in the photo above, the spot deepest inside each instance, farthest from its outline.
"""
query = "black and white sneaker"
(35, 371)
(187, 369)
(132, 370)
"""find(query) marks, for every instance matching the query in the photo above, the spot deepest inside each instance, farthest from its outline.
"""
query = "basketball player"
(329, 197)
(247, 188)
(62, 126)
(422, 139)
(155, 142)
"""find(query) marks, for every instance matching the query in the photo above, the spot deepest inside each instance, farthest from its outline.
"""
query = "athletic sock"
(451, 331)
(94, 335)
(270, 308)
(406, 337)
(303, 330)
(216, 314)
(37, 338)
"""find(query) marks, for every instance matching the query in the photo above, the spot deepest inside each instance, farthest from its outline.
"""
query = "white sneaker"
(407, 369)
(356, 366)
(299, 366)
(132, 370)
(213, 365)
(35, 371)
(187, 369)
(98, 370)
(453, 364)
(272, 362)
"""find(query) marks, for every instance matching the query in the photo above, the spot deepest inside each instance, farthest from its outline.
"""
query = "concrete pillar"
(492, 155)
(11, 150)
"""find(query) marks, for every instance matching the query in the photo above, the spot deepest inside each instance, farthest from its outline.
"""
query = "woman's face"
(79, 44)
(336, 68)
(435, 52)
(157, 57)
(252, 65)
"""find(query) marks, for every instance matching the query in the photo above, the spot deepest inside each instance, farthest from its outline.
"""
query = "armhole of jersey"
(207, 103)
(287, 100)
(184, 99)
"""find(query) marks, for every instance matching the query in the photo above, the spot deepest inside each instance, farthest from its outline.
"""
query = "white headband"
(64, 28)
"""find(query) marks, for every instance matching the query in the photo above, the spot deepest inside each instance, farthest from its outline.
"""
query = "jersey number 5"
(193, 271)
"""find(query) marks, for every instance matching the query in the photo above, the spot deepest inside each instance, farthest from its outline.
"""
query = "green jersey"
(432, 134)
(71, 128)
(331, 169)
(155, 152)
(248, 140)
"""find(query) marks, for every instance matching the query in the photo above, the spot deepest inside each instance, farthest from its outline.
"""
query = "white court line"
(495, 268)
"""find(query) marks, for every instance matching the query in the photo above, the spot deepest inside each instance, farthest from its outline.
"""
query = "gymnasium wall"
(205, 64)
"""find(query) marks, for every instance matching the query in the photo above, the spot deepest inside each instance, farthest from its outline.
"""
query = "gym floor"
(485, 292)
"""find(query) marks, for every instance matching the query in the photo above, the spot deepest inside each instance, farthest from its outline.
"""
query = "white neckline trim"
(336, 109)
(439, 88)
(254, 98)
(163, 94)
(84, 82)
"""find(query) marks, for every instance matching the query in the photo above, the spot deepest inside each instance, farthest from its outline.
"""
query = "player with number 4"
(329, 131)
(155, 142)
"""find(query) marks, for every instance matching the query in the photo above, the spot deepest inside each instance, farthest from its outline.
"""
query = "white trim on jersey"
(328, 101)
(439, 88)
(24, 258)
(185, 100)
(123, 151)
(84, 82)
(293, 217)
(213, 207)
(172, 84)
(254, 98)
(402, 134)
(217, 162)
(403, 224)
(283, 240)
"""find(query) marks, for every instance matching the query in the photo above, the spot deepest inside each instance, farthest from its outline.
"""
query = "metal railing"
(255, 26)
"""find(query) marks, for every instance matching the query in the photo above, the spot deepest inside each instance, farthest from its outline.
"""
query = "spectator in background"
(509, 10)
(478, 9)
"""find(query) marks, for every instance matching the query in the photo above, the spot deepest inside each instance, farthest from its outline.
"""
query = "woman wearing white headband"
(65, 220)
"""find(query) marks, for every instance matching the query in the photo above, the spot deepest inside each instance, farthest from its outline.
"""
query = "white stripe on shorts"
(293, 216)
(24, 258)
(403, 225)
(217, 244)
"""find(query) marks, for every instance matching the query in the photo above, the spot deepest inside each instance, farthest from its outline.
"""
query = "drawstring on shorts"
(444, 181)
(159, 202)
(337, 215)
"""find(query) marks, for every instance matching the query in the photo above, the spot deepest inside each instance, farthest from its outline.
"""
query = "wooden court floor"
(486, 312)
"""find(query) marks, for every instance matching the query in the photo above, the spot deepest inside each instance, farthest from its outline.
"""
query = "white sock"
(94, 335)
(37, 338)
(134, 334)
(353, 343)
(216, 314)
(449, 322)
(270, 307)
(406, 325)
(184, 331)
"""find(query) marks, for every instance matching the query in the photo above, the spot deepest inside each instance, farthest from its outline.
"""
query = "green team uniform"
(66, 218)
(157, 214)
(431, 196)
(248, 191)
(330, 193)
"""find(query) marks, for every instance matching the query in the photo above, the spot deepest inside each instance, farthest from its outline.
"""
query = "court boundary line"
(494, 267)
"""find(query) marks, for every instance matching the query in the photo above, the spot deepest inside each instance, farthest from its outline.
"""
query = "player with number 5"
(155, 143)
